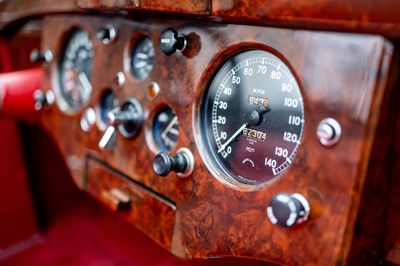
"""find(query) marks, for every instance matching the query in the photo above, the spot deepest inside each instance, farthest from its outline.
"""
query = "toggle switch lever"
(108, 141)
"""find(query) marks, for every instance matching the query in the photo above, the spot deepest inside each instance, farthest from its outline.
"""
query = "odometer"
(252, 118)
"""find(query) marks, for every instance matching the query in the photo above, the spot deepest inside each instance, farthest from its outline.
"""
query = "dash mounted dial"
(75, 72)
(142, 58)
(252, 119)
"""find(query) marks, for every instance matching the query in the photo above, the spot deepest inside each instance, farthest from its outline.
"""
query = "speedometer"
(252, 119)
(76, 71)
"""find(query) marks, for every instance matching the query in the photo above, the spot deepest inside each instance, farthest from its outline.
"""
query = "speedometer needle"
(233, 137)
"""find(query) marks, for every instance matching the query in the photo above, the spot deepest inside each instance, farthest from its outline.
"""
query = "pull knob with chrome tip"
(181, 163)
(329, 132)
(288, 210)
(170, 41)
(36, 56)
(107, 34)
(43, 100)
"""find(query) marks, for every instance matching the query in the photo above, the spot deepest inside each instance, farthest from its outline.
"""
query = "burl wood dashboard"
(347, 77)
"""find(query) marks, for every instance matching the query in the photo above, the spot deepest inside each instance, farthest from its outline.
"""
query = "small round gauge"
(142, 58)
(76, 71)
(166, 129)
(252, 119)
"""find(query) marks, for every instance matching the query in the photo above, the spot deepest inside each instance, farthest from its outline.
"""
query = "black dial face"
(76, 71)
(142, 58)
(166, 129)
(252, 117)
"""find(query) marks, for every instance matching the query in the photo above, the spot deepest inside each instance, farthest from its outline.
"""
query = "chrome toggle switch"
(128, 119)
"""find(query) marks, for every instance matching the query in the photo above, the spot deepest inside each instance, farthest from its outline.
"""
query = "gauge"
(252, 119)
(76, 71)
(142, 58)
(165, 129)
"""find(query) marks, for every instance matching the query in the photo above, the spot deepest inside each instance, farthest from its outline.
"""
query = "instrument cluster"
(251, 113)
(207, 135)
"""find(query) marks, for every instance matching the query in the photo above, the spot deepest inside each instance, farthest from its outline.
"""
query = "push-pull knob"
(128, 119)
(181, 163)
(287, 210)
(329, 132)
(170, 41)
(43, 99)
(36, 56)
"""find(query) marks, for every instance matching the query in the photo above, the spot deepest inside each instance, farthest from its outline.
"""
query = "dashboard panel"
(340, 76)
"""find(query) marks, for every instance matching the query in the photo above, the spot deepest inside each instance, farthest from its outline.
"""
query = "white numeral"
(223, 105)
(221, 120)
(248, 71)
(294, 120)
(236, 80)
(276, 75)
(290, 137)
(281, 152)
(287, 87)
(290, 102)
(270, 162)
(262, 69)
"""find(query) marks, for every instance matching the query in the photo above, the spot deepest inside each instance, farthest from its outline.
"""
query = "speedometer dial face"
(76, 71)
(252, 118)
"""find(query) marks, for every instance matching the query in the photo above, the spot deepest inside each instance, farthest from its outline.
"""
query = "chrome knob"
(329, 132)
(287, 210)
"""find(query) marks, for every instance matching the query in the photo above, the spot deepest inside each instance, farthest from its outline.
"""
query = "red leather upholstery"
(16, 93)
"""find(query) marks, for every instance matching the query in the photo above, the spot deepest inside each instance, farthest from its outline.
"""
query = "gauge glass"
(166, 129)
(252, 118)
(142, 58)
(76, 71)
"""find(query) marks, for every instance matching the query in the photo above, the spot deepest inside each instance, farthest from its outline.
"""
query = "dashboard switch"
(170, 41)
(128, 119)
(181, 163)
(288, 210)
(329, 132)
(108, 141)
(37, 57)
(107, 34)
(43, 99)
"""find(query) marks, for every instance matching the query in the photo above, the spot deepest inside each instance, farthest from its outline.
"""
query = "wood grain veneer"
(343, 76)
(176, 6)
(373, 16)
